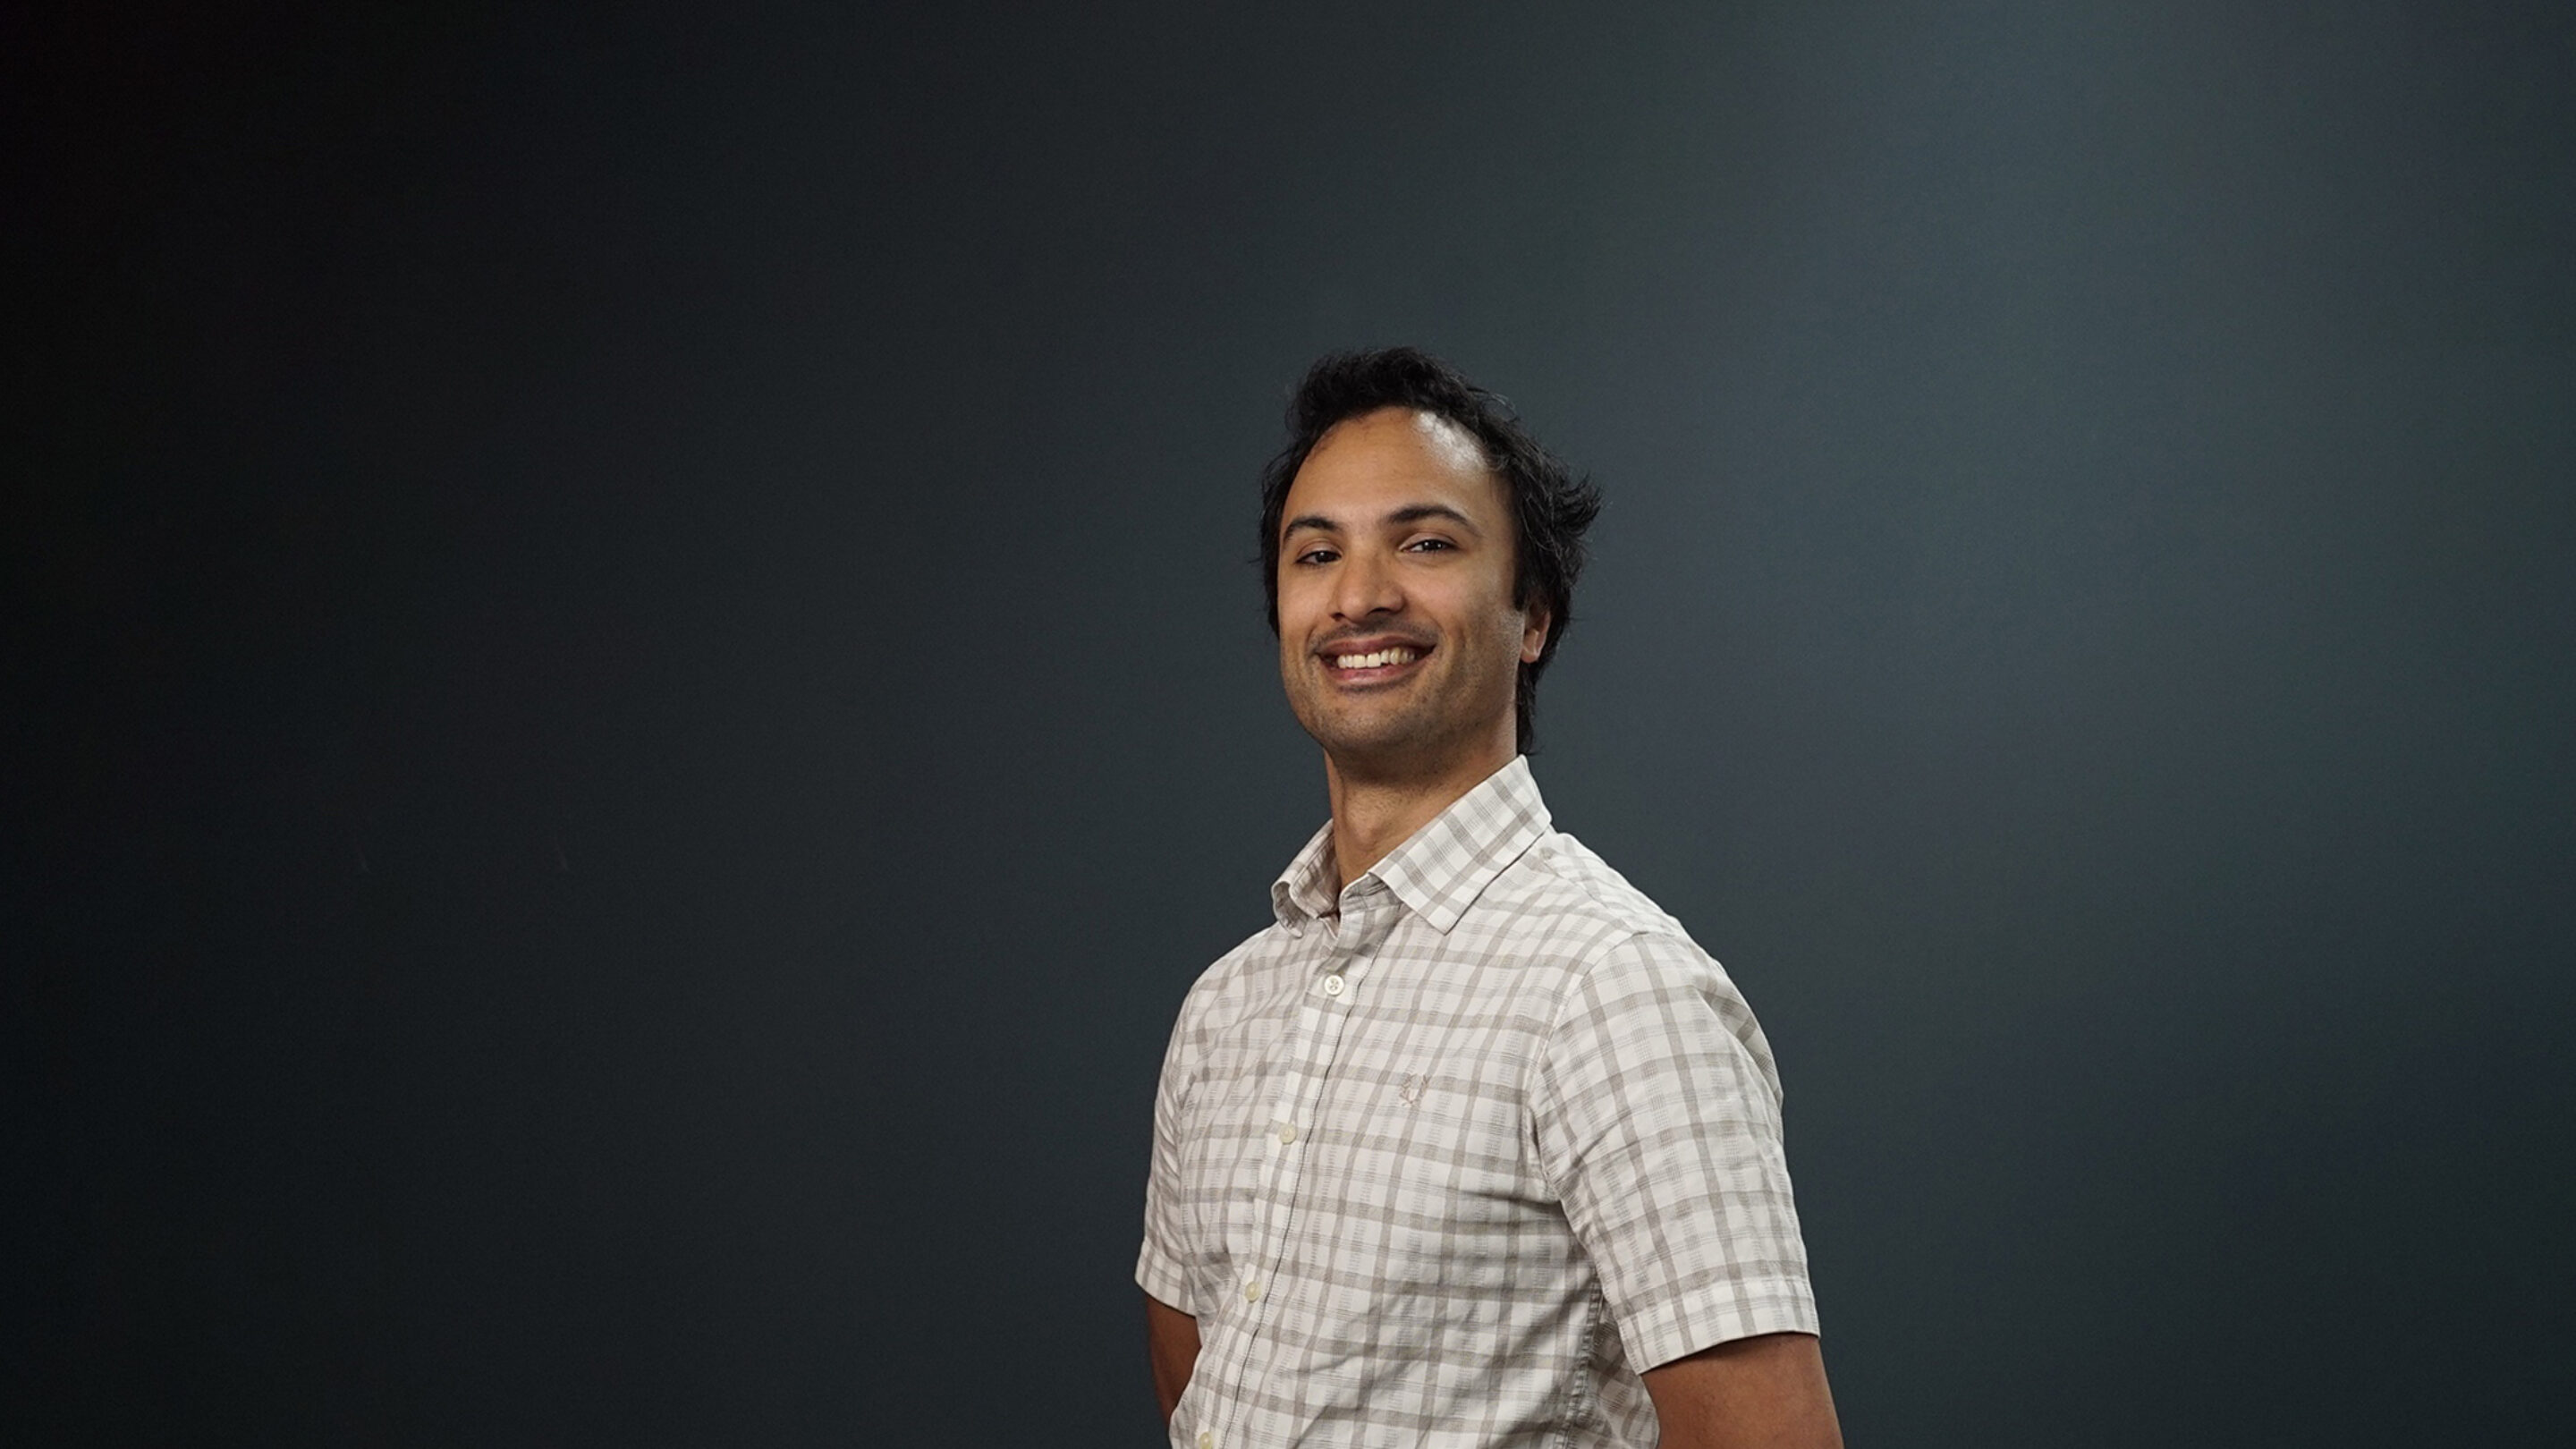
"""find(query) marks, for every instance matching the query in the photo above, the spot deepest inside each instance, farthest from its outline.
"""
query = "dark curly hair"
(1551, 506)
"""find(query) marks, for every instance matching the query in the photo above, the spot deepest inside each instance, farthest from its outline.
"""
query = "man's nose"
(1366, 586)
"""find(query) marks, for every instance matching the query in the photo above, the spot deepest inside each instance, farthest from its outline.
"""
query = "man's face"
(1398, 641)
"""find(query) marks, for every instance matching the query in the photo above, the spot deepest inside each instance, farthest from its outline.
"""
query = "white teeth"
(1377, 660)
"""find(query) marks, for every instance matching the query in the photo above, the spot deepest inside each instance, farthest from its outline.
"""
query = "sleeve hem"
(1159, 1275)
(1721, 1313)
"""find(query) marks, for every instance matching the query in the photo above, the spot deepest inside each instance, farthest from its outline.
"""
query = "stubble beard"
(1392, 739)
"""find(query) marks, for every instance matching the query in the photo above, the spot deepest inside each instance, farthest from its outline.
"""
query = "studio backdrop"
(638, 681)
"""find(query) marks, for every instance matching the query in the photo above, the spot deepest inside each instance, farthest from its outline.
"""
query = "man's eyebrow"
(1410, 513)
(1420, 511)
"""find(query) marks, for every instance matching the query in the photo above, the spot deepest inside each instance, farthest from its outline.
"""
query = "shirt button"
(1287, 1134)
(1207, 1439)
(1252, 1292)
(1333, 984)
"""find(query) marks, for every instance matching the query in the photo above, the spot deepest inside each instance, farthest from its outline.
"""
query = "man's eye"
(1317, 555)
(1431, 545)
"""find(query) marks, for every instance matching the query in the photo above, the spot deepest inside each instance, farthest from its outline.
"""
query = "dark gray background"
(639, 690)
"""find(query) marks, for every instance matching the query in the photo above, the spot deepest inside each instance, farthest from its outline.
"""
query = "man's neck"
(1374, 812)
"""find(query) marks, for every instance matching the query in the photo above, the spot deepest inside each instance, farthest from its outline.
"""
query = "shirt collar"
(1440, 869)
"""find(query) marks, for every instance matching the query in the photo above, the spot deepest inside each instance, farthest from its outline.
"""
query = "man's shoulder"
(1236, 974)
(1561, 881)
(1638, 955)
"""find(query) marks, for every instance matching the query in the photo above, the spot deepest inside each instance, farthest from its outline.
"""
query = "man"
(1472, 1146)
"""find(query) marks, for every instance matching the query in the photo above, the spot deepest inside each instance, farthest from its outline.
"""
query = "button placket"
(1313, 1040)
(1315, 1043)
(1319, 1031)
(1312, 1029)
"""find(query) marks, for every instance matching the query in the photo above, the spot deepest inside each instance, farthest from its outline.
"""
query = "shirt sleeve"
(1658, 1121)
(1162, 1268)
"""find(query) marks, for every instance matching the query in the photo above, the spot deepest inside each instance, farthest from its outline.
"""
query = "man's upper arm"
(1172, 1348)
(1768, 1391)
(1658, 1125)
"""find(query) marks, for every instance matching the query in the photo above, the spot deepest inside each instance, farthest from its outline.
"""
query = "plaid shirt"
(1450, 1166)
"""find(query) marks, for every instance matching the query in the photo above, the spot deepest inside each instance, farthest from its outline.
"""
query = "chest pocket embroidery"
(1411, 1090)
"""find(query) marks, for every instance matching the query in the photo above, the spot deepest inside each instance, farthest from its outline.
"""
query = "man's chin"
(1381, 747)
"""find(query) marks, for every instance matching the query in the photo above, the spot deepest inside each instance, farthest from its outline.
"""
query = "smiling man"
(1472, 1146)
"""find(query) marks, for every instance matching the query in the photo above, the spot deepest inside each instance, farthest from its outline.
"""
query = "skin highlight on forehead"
(1456, 447)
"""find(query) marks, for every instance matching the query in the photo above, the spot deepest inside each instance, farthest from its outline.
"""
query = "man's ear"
(1534, 629)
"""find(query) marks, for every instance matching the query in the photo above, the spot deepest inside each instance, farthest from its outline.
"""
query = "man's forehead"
(1395, 443)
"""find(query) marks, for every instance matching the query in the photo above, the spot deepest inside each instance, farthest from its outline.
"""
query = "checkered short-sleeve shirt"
(1450, 1165)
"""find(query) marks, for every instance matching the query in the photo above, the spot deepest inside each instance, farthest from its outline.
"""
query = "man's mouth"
(1369, 666)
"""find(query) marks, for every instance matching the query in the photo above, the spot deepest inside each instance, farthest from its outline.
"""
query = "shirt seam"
(1546, 1054)
(1583, 1409)
(1613, 914)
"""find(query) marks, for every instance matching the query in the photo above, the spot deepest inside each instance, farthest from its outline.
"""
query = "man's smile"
(1361, 662)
